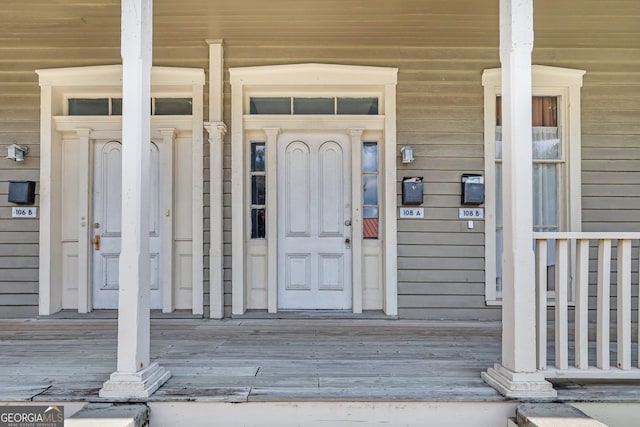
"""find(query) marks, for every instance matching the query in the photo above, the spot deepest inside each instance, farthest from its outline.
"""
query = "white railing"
(571, 294)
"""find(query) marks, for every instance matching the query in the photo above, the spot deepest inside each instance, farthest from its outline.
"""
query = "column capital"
(84, 132)
(355, 132)
(271, 132)
(168, 133)
(218, 129)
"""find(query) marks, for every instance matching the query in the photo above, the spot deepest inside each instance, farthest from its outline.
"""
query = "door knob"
(96, 242)
(347, 222)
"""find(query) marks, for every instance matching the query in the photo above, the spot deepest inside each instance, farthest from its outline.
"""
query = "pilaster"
(216, 131)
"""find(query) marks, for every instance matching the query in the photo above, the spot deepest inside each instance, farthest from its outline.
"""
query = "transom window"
(313, 105)
(113, 106)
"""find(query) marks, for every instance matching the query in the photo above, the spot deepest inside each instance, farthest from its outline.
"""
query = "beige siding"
(440, 48)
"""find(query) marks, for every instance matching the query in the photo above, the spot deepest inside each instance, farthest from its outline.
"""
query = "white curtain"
(546, 201)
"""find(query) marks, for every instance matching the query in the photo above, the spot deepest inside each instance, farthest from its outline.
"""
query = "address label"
(412, 213)
(23, 212)
(471, 213)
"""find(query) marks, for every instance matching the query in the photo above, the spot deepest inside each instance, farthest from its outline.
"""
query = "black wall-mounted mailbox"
(472, 189)
(22, 192)
(412, 193)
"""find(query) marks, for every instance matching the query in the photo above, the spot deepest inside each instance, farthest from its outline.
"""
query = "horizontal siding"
(440, 48)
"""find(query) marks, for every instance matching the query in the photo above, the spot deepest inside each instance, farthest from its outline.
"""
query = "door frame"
(316, 79)
(57, 85)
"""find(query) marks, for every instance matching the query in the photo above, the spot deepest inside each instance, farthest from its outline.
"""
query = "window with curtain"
(548, 162)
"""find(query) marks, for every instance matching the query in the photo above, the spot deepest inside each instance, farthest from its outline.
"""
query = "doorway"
(314, 235)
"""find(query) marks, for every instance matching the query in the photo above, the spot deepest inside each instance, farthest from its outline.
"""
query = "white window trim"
(546, 81)
(297, 79)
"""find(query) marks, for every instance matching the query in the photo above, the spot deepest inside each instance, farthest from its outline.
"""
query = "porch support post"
(517, 376)
(216, 132)
(135, 377)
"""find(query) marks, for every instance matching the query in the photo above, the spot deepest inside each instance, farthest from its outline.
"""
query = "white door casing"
(66, 194)
(314, 235)
(255, 261)
(107, 205)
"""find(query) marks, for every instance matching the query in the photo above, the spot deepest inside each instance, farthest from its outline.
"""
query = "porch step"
(110, 415)
(553, 415)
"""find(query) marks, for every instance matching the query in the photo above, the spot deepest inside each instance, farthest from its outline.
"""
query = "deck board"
(268, 360)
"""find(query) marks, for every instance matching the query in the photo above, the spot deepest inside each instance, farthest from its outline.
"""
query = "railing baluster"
(541, 306)
(562, 316)
(604, 273)
(582, 304)
(623, 298)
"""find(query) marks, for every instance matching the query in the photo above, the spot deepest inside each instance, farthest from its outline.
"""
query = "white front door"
(107, 202)
(314, 218)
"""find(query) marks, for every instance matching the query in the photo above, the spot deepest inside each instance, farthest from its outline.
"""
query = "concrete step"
(553, 415)
(110, 415)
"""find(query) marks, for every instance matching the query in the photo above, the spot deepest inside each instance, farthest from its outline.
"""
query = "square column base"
(135, 385)
(518, 385)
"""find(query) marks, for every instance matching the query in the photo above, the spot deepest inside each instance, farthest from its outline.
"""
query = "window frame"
(565, 84)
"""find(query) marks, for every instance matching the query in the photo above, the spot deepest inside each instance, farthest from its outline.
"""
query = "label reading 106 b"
(23, 212)
(412, 213)
(471, 213)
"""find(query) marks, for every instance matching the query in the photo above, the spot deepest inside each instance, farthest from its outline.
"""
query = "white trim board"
(57, 85)
(331, 80)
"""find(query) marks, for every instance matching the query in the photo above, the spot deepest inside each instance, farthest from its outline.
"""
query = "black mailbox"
(412, 193)
(472, 189)
(22, 192)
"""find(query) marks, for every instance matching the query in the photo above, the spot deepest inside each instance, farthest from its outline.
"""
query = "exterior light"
(407, 154)
(17, 152)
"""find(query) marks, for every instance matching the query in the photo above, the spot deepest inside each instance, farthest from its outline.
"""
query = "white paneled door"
(107, 203)
(314, 222)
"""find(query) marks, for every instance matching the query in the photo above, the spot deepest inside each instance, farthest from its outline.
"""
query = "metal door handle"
(96, 242)
(348, 223)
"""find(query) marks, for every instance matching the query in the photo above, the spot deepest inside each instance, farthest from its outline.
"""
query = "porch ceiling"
(82, 23)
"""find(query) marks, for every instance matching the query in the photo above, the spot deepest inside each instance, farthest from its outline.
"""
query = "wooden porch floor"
(271, 360)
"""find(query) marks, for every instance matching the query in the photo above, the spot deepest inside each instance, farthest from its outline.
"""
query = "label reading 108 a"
(412, 213)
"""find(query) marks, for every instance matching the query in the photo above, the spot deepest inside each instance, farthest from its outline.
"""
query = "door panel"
(314, 256)
(107, 206)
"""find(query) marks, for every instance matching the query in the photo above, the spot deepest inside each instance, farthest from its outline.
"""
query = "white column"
(85, 229)
(216, 129)
(356, 217)
(272, 218)
(136, 376)
(216, 255)
(517, 376)
(167, 214)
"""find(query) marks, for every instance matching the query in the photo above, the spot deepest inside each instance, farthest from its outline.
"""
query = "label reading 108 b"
(471, 213)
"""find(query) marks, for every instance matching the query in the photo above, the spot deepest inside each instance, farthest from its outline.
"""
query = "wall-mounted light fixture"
(17, 152)
(407, 154)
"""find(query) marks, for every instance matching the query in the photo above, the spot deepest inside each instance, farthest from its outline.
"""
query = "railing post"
(582, 304)
(562, 317)
(623, 298)
(541, 305)
(604, 271)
